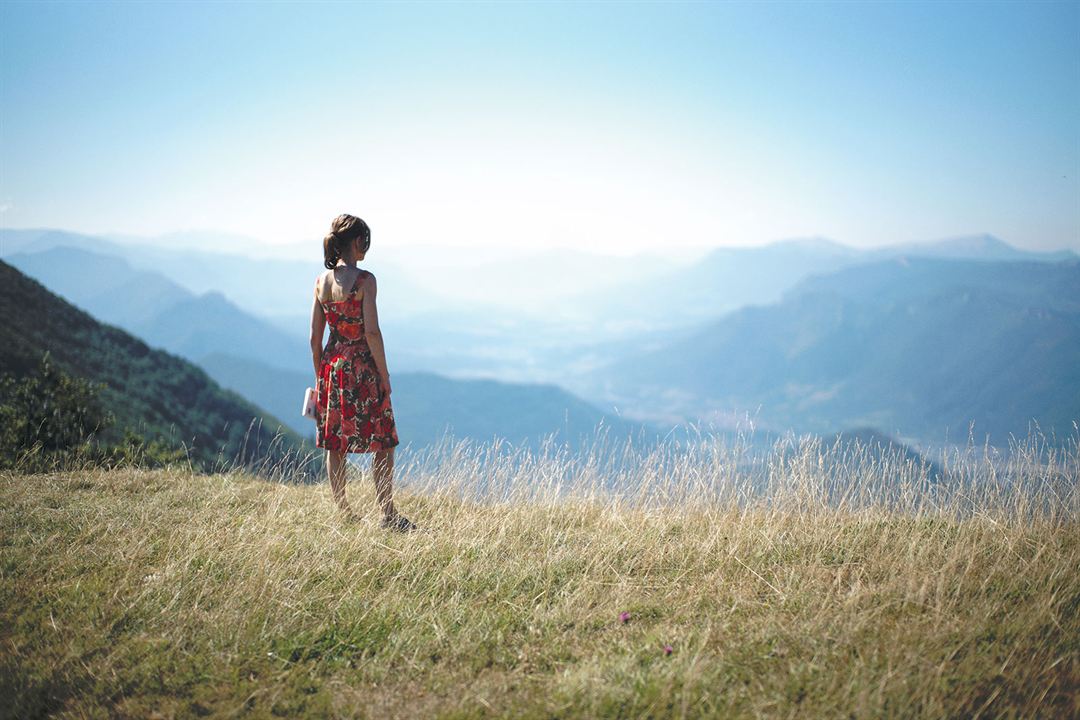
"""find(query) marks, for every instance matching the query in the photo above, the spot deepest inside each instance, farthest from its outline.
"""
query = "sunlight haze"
(605, 127)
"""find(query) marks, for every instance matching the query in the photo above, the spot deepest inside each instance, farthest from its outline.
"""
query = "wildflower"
(668, 650)
(624, 617)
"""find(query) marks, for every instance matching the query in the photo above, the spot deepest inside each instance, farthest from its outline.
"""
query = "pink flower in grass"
(624, 617)
(668, 650)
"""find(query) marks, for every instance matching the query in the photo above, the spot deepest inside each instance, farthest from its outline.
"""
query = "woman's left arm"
(318, 326)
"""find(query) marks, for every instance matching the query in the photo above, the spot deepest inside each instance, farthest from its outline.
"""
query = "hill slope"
(150, 391)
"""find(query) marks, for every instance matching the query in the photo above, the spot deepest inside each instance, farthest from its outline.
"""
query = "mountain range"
(916, 347)
(158, 310)
(729, 278)
(806, 334)
(270, 368)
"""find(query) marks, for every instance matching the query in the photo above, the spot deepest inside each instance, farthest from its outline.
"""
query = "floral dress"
(353, 413)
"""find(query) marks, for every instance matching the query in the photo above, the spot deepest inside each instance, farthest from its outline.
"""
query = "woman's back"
(340, 283)
(343, 308)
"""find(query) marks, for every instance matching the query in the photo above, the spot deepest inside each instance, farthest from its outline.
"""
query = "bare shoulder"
(322, 284)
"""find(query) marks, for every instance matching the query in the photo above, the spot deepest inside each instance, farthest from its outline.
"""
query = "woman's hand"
(385, 380)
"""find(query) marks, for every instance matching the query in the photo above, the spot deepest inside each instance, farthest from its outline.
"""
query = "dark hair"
(343, 230)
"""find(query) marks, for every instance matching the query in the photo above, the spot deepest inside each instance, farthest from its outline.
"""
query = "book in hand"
(308, 410)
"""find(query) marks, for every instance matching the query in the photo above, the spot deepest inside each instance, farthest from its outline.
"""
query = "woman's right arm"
(318, 326)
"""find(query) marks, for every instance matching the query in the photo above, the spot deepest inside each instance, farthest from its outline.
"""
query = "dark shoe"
(398, 523)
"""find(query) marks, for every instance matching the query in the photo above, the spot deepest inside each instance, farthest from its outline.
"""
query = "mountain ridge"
(152, 392)
(899, 348)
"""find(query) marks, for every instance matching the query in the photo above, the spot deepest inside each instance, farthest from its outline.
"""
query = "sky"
(608, 127)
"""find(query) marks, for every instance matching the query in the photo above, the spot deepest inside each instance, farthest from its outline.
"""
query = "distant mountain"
(14, 240)
(1038, 284)
(845, 450)
(982, 247)
(428, 405)
(448, 311)
(209, 323)
(279, 391)
(106, 286)
(469, 338)
(916, 347)
(484, 409)
(152, 392)
(242, 277)
(159, 311)
(166, 315)
(729, 278)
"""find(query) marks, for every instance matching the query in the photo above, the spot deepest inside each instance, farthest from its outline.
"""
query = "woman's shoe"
(398, 523)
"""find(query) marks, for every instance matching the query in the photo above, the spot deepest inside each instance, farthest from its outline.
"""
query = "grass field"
(135, 593)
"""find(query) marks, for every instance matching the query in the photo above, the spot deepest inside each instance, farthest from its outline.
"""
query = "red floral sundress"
(353, 413)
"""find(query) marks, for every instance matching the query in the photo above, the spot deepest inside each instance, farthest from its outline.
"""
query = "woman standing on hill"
(353, 411)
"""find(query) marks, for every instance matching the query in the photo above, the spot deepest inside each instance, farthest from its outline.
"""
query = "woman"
(353, 411)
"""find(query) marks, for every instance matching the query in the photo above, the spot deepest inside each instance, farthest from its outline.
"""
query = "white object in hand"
(308, 410)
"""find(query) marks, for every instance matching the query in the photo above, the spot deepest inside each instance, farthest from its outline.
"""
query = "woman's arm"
(372, 331)
(318, 325)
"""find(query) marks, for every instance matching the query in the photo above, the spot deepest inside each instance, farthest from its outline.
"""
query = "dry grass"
(820, 582)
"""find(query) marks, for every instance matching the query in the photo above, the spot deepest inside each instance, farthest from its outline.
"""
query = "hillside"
(915, 347)
(150, 391)
(213, 594)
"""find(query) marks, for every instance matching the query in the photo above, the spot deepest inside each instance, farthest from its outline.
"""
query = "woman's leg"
(382, 469)
(335, 468)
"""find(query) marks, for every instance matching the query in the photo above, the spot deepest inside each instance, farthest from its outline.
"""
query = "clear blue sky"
(611, 126)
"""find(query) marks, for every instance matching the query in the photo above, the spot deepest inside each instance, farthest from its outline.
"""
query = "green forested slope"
(150, 391)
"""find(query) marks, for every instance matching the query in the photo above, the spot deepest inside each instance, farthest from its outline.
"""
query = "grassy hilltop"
(164, 593)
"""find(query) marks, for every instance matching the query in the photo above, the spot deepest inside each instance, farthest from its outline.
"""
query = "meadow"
(702, 580)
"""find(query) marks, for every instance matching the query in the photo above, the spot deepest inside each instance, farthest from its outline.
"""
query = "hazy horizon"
(208, 240)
